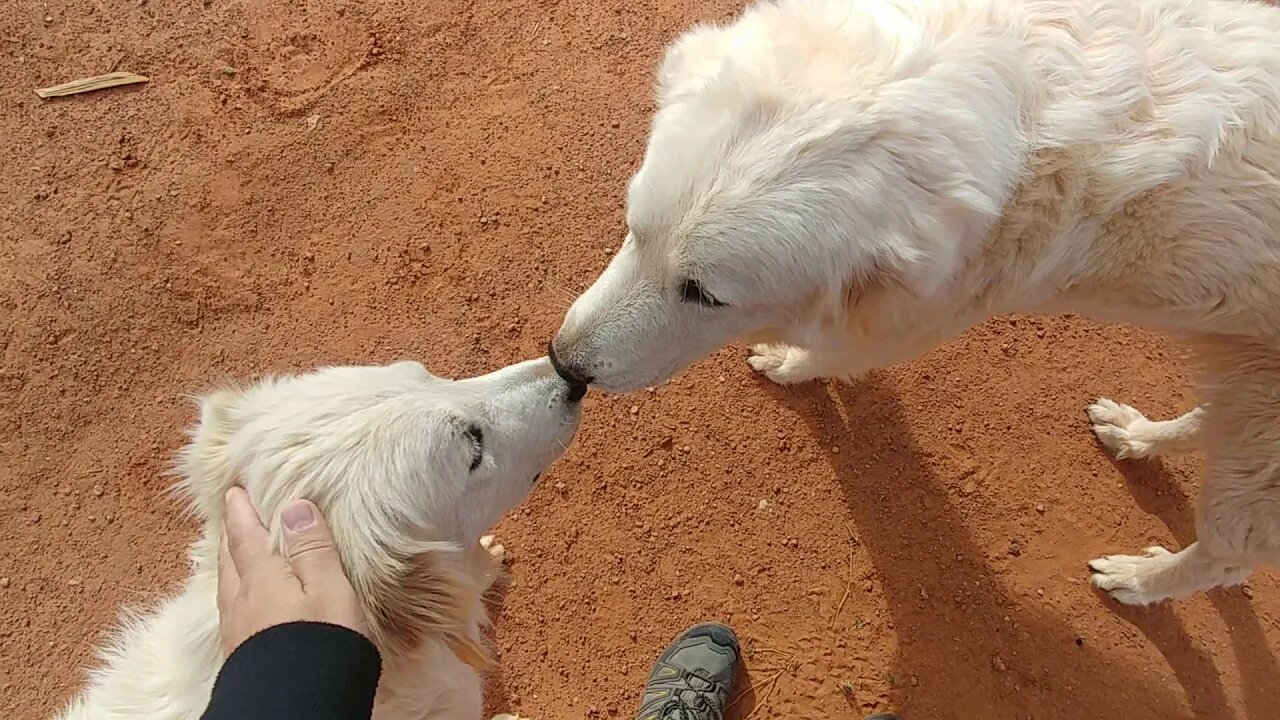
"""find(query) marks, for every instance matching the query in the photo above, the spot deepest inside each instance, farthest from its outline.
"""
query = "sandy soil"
(362, 181)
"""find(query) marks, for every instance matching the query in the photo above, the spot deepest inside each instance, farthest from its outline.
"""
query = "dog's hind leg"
(1128, 434)
(1238, 519)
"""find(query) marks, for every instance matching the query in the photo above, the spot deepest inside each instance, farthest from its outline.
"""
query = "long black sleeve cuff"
(301, 670)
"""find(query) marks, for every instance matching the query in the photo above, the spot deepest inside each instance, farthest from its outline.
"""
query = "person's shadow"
(982, 651)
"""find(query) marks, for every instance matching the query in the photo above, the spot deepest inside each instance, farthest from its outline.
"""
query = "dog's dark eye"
(692, 292)
(477, 445)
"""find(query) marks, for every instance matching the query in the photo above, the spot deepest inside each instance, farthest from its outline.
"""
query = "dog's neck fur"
(140, 670)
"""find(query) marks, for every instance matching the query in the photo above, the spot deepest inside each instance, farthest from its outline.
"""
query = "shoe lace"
(692, 704)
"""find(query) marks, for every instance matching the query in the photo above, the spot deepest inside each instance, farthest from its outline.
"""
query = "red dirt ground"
(363, 181)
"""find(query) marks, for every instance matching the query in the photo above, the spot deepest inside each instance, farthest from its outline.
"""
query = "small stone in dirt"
(737, 580)
(228, 70)
(98, 490)
(1247, 591)
(1015, 548)
(868, 586)
(968, 488)
(635, 409)
(1040, 508)
(764, 505)
(5, 582)
(998, 665)
(1040, 592)
(73, 582)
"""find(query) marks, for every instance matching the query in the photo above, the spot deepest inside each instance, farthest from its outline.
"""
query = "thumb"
(308, 543)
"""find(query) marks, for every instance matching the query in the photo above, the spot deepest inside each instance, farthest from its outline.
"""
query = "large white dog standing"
(849, 183)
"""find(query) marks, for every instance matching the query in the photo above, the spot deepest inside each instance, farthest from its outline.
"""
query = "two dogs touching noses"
(844, 185)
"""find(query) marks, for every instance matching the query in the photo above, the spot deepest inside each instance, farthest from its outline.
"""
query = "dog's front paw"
(783, 364)
(1120, 428)
(496, 551)
(1131, 579)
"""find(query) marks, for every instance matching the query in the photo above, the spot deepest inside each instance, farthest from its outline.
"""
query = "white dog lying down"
(849, 183)
(409, 469)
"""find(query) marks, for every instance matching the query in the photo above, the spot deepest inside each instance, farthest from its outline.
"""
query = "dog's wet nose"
(576, 393)
(578, 380)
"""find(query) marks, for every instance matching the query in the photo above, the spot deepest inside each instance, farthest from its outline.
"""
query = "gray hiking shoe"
(693, 677)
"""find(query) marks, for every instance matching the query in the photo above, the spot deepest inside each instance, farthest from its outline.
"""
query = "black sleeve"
(302, 670)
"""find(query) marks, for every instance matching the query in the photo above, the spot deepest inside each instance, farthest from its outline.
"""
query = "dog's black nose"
(578, 382)
(576, 393)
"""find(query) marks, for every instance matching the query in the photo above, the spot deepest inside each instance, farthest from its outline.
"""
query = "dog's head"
(789, 172)
(409, 469)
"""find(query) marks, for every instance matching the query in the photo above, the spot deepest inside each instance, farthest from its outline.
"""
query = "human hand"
(258, 589)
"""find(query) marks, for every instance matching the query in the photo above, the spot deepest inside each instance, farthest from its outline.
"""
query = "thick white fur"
(858, 181)
(385, 453)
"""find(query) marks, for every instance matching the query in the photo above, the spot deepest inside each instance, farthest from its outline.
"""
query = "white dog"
(409, 469)
(850, 183)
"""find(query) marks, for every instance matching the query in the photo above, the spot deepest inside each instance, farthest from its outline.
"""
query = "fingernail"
(298, 516)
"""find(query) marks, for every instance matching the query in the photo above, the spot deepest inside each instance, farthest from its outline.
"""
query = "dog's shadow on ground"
(1158, 494)
(970, 642)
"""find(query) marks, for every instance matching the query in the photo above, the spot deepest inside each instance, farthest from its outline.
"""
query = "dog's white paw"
(508, 716)
(1121, 428)
(783, 364)
(1130, 578)
(496, 551)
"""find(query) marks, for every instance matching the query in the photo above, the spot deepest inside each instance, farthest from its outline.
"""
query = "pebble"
(737, 580)
(635, 409)
(1015, 548)
(998, 664)
(5, 582)
(868, 586)
(74, 582)
(1040, 508)
(98, 490)
(1248, 591)
(764, 505)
